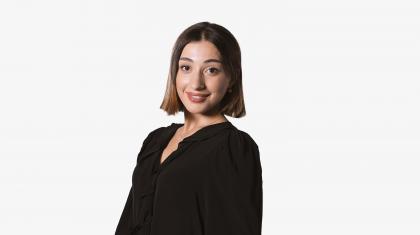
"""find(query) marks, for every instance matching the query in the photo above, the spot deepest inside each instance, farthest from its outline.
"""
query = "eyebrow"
(206, 61)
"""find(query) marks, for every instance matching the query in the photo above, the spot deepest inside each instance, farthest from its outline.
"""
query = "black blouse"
(210, 185)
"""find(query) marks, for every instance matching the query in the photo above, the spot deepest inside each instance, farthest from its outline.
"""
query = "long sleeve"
(233, 190)
(125, 223)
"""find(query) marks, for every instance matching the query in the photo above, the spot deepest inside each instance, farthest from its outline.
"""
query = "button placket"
(145, 210)
(148, 196)
(155, 176)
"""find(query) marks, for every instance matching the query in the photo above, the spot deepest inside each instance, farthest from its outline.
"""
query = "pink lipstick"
(196, 97)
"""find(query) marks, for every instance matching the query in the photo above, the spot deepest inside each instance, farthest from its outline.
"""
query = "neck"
(196, 121)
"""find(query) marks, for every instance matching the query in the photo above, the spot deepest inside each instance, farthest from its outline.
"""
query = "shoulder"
(240, 151)
(152, 137)
(240, 139)
(151, 142)
(155, 131)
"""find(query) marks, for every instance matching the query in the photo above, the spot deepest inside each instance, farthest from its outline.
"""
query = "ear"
(230, 85)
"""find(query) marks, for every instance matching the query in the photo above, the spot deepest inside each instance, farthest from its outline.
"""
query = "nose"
(197, 81)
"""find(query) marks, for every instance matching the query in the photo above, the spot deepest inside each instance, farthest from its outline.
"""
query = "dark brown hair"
(232, 103)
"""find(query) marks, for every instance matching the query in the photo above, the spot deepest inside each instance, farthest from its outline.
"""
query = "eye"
(213, 69)
(184, 66)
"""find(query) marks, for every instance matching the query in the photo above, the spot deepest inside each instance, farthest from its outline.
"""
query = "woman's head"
(206, 60)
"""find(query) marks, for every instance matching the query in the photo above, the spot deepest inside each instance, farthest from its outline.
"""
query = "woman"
(202, 177)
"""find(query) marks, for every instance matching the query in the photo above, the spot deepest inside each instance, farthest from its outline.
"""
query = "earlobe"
(230, 87)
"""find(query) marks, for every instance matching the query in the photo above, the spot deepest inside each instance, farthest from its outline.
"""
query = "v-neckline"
(172, 134)
(166, 145)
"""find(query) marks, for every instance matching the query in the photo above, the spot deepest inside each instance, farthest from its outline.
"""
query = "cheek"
(181, 81)
(178, 84)
(218, 87)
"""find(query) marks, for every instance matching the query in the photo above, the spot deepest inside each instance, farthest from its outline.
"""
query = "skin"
(196, 75)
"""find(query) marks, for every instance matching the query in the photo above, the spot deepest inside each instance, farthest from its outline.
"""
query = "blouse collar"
(201, 134)
(162, 138)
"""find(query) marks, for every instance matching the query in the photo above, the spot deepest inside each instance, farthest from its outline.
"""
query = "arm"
(125, 223)
(233, 189)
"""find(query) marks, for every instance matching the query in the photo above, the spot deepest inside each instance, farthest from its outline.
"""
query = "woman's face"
(200, 72)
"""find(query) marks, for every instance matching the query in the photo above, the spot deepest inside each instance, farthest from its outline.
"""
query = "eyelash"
(217, 70)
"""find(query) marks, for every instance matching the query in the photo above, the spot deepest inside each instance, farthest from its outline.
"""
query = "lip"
(197, 94)
(196, 97)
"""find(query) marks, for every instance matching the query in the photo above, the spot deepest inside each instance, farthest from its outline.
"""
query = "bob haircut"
(232, 103)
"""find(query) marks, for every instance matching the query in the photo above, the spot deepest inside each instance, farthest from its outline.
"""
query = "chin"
(196, 110)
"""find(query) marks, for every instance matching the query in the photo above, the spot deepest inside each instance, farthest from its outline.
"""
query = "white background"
(332, 95)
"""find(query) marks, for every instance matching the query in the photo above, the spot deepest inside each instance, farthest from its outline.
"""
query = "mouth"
(196, 97)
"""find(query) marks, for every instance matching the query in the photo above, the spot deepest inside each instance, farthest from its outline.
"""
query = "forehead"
(200, 51)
